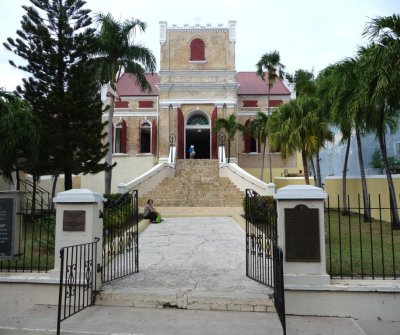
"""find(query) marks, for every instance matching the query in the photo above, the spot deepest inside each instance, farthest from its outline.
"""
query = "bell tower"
(197, 83)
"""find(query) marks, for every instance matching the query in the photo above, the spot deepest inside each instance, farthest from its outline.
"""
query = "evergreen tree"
(56, 42)
(17, 124)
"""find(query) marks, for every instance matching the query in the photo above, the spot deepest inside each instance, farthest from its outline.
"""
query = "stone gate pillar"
(301, 234)
(78, 220)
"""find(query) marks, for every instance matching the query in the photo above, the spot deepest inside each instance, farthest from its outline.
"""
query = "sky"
(309, 34)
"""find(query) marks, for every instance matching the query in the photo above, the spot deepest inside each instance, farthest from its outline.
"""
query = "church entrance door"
(198, 134)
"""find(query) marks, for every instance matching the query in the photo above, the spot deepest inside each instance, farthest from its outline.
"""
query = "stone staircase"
(196, 184)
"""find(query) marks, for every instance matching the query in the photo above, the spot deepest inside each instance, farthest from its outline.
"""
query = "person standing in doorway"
(192, 152)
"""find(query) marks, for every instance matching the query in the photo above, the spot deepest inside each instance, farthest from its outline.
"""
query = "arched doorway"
(197, 133)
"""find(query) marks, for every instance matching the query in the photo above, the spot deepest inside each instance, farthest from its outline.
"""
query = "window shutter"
(112, 138)
(197, 50)
(180, 144)
(154, 137)
(247, 139)
(214, 138)
(124, 137)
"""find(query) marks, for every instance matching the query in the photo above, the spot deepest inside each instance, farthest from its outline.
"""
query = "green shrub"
(45, 232)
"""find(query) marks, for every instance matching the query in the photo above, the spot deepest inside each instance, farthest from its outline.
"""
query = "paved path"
(190, 258)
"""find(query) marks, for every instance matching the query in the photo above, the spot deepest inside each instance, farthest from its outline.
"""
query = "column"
(301, 234)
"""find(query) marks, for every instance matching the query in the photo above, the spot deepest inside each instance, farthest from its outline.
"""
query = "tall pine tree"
(56, 40)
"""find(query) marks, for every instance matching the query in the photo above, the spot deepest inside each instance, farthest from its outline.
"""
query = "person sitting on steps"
(150, 212)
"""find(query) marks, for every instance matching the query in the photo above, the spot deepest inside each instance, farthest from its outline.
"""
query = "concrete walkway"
(191, 263)
(196, 264)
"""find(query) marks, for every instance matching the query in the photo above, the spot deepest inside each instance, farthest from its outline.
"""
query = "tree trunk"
(18, 186)
(33, 204)
(269, 145)
(313, 171)
(392, 194)
(108, 172)
(229, 150)
(345, 210)
(305, 167)
(53, 191)
(319, 181)
(263, 162)
(367, 210)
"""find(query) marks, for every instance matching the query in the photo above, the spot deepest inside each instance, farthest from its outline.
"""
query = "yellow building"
(197, 84)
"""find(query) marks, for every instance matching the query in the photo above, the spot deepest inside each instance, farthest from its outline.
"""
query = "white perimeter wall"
(127, 169)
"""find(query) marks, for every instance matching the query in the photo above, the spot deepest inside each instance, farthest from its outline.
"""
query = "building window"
(397, 149)
(145, 137)
(145, 104)
(197, 48)
(250, 103)
(197, 120)
(250, 143)
(275, 103)
(119, 137)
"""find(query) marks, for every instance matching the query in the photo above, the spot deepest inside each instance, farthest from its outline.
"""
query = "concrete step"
(102, 320)
(197, 184)
(141, 298)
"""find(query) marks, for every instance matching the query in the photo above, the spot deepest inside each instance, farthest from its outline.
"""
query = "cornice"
(197, 73)
(196, 86)
(165, 103)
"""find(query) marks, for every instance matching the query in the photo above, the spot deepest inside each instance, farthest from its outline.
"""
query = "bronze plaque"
(302, 234)
(74, 221)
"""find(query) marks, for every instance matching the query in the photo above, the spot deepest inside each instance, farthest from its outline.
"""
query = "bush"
(260, 208)
(45, 232)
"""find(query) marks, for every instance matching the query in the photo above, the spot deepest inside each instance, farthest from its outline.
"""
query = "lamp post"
(221, 138)
(172, 139)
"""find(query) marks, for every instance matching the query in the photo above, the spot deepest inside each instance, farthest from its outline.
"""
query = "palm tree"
(380, 87)
(348, 113)
(259, 129)
(117, 53)
(270, 64)
(291, 129)
(231, 127)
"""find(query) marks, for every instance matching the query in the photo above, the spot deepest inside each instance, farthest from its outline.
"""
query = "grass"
(355, 248)
(36, 247)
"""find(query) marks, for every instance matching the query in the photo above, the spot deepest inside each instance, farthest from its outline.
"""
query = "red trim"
(124, 137)
(146, 104)
(121, 104)
(214, 137)
(250, 103)
(180, 136)
(153, 137)
(247, 139)
(275, 103)
(112, 138)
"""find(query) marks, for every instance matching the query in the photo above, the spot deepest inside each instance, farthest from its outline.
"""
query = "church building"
(196, 85)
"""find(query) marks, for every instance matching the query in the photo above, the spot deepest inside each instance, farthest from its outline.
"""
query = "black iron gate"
(78, 263)
(120, 237)
(78, 267)
(264, 261)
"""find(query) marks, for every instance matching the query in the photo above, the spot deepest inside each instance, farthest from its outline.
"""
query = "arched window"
(197, 49)
(250, 143)
(119, 137)
(145, 137)
(197, 120)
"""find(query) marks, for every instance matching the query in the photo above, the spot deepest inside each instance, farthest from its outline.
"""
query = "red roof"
(252, 84)
(127, 85)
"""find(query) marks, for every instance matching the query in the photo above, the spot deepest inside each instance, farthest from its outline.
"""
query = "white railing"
(150, 179)
(244, 180)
